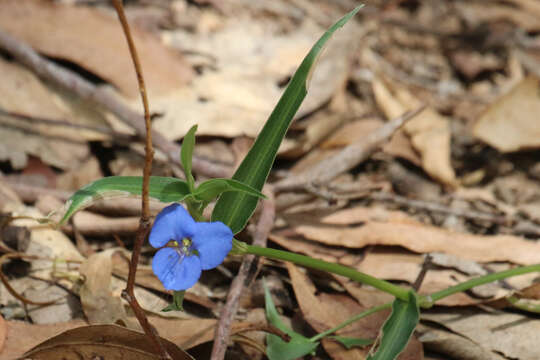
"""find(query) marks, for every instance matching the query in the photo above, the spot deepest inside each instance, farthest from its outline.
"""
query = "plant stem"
(427, 301)
(144, 223)
(310, 262)
(350, 321)
(523, 305)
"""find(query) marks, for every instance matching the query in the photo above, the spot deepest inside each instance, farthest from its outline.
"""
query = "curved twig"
(245, 276)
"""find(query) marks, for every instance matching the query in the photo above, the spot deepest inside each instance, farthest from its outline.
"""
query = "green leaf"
(164, 189)
(177, 303)
(398, 328)
(211, 189)
(235, 209)
(349, 343)
(276, 348)
(186, 155)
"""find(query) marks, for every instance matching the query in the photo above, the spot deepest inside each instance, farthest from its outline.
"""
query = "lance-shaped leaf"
(276, 348)
(164, 189)
(398, 328)
(186, 155)
(235, 209)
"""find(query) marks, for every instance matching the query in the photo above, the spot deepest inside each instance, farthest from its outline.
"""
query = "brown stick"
(14, 292)
(245, 276)
(347, 158)
(144, 223)
(440, 208)
(101, 97)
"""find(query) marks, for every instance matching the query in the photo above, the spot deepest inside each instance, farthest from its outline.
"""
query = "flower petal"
(174, 272)
(172, 223)
(213, 241)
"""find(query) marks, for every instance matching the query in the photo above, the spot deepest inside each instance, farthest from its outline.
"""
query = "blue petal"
(176, 273)
(172, 223)
(213, 241)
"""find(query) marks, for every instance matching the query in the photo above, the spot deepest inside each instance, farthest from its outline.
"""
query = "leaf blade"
(164, 189)
(276, 348)
(235, 209)
(398, 328)
(186, 155)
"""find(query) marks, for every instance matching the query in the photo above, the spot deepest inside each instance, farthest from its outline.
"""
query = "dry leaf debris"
(459, 182)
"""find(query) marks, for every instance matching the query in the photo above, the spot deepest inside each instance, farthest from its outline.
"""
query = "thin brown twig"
(426, 266)
(245, 276)
(347, 158)
(144, 223)
(14, 292)
(102, 98)
(440, 208)
(63, 123)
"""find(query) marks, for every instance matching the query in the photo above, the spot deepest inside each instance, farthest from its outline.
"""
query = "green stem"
(350, 321)
(523, 305)
(427, 301)
(310, 262)
(195, 210)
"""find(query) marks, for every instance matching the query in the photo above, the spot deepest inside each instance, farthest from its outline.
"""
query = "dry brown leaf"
(3, 333)
(510, 123)
(252, 58)
(472, 63)
(317, 314)
(21, 92)
(319, 251)
(93, 39)
(18, 340)
(403, 266)
(325, 311)
(105, 342)
(400, 265)
(361, 214)
(352, 132)
(400, 146)
(101, 293)
(317, 128)
(86, 172)
(478, 13)
(98, 302)
(426, 239)
(429, 132)
(513, 335)
(191, 332)
(8, 197)
(454, 346)
(366, 297)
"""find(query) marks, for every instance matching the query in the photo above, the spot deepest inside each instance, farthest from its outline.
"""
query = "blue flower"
(193, 247)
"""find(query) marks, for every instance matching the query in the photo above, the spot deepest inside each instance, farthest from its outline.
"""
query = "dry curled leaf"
(511, 123)
(103, 342)
(92, 39)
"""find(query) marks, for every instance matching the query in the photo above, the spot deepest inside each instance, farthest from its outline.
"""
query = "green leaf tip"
(318, 49)
(235, 208)
(186, 156)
